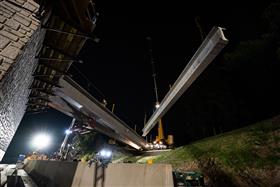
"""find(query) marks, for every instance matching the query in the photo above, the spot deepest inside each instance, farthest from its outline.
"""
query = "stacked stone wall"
(20, 39)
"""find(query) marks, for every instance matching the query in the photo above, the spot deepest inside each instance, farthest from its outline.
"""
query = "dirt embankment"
(217, 175)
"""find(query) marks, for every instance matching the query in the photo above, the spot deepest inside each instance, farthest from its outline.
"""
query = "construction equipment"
(37, 156)
(160, 142)
(189, 179)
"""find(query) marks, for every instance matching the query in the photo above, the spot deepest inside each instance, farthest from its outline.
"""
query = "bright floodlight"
(41, 141)
(105, 153)
(108, 154)
(68, 131)
(157, 105)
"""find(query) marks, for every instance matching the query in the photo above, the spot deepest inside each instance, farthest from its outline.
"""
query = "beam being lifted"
(208, 50)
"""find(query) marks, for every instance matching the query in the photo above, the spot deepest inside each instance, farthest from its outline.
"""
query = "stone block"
(4, 66)
(2, 19)
(25, 28)
(22, 31)
(33, 26)
(12, 24)
(16, 33)
(25, 13)
(24, 40)
(10, 52)
(18, 44)
(30, 6)
(33, 3)
(9, 35)
(10, 6)
(22, 20)
(29, 34)
(6, 13)
(7, 8)
(3, 42)
(35, 20)
(8, 60)
(20, 1)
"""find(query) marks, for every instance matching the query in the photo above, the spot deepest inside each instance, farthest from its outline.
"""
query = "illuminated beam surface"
(208, 50)
(106, 122)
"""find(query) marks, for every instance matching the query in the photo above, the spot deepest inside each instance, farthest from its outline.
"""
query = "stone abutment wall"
(20, 39)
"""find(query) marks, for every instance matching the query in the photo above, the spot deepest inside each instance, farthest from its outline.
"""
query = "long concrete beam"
(61, 105)
(106, 122)
(208, 50)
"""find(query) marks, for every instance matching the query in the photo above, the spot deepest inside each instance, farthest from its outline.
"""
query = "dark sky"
(119, 65)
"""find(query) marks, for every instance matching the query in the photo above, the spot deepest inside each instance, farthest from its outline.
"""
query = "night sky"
(119, 65)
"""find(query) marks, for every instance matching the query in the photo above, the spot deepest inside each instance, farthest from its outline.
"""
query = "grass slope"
(255, 146)
(247, 156)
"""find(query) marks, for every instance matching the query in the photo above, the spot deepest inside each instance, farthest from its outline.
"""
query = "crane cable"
(153, 68)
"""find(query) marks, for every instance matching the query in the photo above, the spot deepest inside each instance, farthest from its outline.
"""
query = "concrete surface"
(64, 174)
(139, 175)
(84, 175)
(51, 173)
(124, 175)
